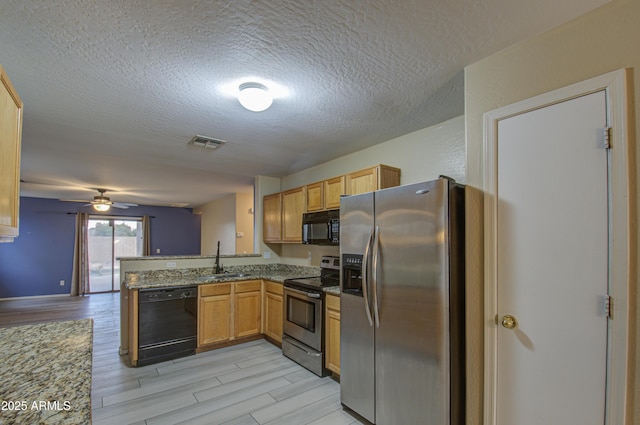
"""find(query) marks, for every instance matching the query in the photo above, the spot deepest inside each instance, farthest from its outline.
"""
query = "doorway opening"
(108, 239)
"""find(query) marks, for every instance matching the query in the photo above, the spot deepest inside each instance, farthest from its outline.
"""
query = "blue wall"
(42, 255)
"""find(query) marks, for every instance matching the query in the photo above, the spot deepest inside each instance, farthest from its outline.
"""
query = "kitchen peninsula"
(243, 303)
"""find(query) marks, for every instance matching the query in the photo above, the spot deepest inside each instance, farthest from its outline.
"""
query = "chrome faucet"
(218, 268)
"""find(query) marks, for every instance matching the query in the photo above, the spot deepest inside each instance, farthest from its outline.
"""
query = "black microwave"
(321, 228)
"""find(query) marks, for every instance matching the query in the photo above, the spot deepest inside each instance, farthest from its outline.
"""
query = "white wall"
(244, 223)
(222, 219)
(218, 223)
(264, 185)
(422, 155)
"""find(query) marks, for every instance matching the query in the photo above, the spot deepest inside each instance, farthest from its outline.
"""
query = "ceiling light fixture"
(254, 97)
(102, 207)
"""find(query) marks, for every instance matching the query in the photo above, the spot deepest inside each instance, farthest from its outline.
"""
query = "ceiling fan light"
(254, 97)
(101, 207)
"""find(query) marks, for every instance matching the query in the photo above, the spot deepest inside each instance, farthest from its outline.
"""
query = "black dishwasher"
(167, 323)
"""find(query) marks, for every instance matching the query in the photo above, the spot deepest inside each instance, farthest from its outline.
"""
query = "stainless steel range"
(303, 339)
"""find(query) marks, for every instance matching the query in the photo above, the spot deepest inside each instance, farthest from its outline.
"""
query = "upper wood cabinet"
(272, 218)
(10, 140)
(374, 178)
(293, 205)
(325, 195)
(282, 219)
(315, 197)
(333, 189)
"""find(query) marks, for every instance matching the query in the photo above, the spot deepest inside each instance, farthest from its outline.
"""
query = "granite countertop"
(46, 373)
(185, 257)
(333, 290)
(190, 277)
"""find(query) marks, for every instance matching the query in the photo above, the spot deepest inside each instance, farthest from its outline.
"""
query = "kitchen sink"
(218, 276)
(224, 275)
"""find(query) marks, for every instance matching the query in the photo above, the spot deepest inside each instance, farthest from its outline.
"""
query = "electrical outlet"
(266, 254)
(171, 264)
(158, 251)
(309, 255)
(62, 283)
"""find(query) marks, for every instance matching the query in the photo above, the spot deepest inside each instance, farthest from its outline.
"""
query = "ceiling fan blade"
(74, 200)
(119, 205)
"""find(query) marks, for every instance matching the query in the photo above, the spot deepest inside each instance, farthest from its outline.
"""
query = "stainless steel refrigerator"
(402, 304)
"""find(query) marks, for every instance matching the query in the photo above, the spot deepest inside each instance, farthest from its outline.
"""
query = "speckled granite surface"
(198, 276)
(45, 374)
(185, 257)
(333, 290)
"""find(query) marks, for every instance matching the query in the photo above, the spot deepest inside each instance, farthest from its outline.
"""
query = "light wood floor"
(251, 383)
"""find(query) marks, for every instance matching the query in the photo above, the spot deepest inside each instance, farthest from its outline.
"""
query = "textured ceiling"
(113, 90)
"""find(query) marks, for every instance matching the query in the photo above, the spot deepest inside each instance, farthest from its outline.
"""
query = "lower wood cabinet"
(214, 313)
(247, 308)
(332, 333)
(229, 311)
(273, 313)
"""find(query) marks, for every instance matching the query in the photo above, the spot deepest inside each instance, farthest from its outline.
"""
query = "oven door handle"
(306, 294)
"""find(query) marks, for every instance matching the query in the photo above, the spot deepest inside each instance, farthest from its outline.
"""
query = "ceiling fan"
(103, 203)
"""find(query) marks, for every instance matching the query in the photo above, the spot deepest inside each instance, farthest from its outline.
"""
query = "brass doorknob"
(509, 322)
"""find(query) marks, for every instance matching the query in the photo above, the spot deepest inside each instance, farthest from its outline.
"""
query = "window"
(110, 238)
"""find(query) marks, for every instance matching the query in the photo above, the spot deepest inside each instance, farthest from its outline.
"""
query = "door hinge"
(606, 306)
(604, 138)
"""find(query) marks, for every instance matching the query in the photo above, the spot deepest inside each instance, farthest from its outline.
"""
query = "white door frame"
(615, 86)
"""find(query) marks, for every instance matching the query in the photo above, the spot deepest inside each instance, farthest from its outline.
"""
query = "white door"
(552, 265)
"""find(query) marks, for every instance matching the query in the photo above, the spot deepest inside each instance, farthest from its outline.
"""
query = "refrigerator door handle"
(365, 278)
(376, 248)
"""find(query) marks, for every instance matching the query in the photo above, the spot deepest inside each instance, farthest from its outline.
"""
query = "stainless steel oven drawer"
(304, 355)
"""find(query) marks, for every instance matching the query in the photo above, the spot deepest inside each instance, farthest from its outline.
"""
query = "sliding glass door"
(111, 238)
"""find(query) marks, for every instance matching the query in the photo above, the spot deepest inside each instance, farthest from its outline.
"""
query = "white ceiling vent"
(206, 142)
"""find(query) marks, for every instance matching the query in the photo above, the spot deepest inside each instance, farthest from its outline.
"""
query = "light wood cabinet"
(282, 212)
(214, 313)
(293, 205)
(325, 195)
(282, 219)
(247, 308)
(374, 178)
(273, 313)
(272, 218)
(228, 311)
(132, 309)
(333, 189)
(315, 197)
(332, 333)
(10, 139)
